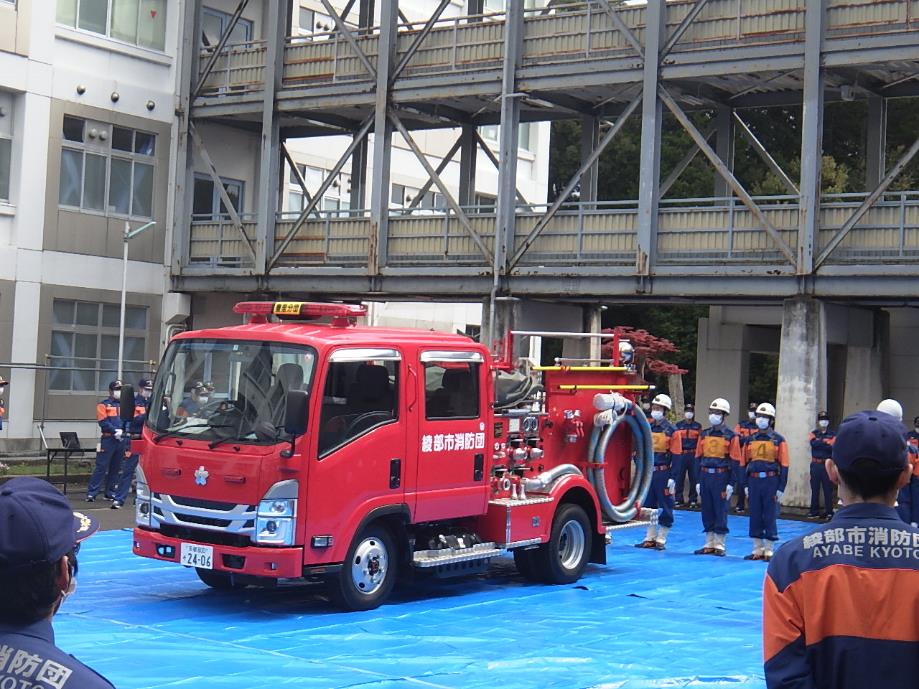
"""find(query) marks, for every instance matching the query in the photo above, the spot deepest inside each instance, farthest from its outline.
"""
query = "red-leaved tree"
(648, 351)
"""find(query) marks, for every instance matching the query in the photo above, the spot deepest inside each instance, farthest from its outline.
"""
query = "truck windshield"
(227, 390)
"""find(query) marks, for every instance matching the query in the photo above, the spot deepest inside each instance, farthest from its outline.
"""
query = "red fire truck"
(284, 449)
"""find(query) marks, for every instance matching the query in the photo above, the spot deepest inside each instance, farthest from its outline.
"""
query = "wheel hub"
(571, 544)
(368, 568)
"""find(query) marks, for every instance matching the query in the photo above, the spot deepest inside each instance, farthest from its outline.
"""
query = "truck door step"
(645, 517)
(449, 556)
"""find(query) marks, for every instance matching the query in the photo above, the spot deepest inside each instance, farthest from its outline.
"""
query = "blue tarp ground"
(647, 619)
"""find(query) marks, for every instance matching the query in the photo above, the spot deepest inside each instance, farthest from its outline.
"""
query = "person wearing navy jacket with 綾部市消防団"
(110, 451)
(660, 496)
(129, 465)
(718, 452)
(764, 468)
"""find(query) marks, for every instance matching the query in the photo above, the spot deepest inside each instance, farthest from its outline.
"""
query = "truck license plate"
(193, 555)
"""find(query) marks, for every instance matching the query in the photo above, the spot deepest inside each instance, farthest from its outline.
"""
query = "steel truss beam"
(349, 37)
(441, 166)
(494, 161)
(684, 163)
(419, 39)
(326, 183)
(298, 175)
(723, 170)
(681, 29)
(764, 154)
(811, 135)
(573, 182)
(622, 28)
(432, 173)
(867, 203)
(218, 184)
(212, 60)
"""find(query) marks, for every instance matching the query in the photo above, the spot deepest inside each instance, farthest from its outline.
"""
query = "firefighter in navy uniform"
(128, 467)
(912, 438)
(840, 603)
(821, 441)
(662, 484)
(906, 505)
(2, 403)
(764, 467)
(685, 463)
(39, 539)
(743, 429)
(718, 452)
(110, 452)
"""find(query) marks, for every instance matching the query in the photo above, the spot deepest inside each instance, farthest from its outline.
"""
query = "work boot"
(718, 545)
(767, 549)
(117, 504)
(650, 535)
(757, 553)
(90, 498)
(708, 548)
(660, 543)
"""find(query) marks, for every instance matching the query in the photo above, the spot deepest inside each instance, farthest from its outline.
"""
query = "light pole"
(128, 235)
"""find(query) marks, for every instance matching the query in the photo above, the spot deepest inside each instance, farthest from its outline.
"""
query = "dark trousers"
(714, 504)
(686, 466)
(126, 477)
(108, 465)
(764, 507)
(820, 481)
(660, 498)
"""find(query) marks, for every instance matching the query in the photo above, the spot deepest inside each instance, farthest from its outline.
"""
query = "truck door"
(451, 445)
(360, 441)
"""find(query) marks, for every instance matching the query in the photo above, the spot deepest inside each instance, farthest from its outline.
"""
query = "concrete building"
(87, 101)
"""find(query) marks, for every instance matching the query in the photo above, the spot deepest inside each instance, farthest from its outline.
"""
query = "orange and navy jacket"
(746, 428)
(840, 605)
(687, 435)
(107, 415)
(912, 438)
(822, 443)
(718, 448)
(141, 406)
(663, 442)
(764, 452)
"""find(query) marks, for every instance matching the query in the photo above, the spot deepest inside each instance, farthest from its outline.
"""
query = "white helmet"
(720, 404)
(663, 401)
(626, 352)
(766, 409)
(891, 407)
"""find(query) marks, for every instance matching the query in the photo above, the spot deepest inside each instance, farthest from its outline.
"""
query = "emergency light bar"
(301, 310)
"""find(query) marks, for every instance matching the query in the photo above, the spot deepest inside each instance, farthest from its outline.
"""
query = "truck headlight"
(274, 531)
(277, 512)
(143, 509)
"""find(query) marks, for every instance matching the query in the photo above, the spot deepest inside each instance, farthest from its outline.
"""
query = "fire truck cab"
(286, 449)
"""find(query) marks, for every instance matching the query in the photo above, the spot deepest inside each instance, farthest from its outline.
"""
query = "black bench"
(70, 446)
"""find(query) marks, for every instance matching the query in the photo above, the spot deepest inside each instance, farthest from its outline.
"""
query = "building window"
(214, 24)
(336, 198)
(84, 336)
(138, 22)
(107, 169)
(6, 144)
(491, 132)
(207, 204)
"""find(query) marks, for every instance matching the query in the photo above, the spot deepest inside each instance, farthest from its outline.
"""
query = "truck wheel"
(368, 572)
(222, 581)
(562, 560)
(525, 561)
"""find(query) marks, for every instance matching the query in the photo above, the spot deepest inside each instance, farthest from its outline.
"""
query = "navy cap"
(145, 384)
(870, 435)
(752, 406)
(823, 415)
(37, 524)
(115, 385)
(689, 407)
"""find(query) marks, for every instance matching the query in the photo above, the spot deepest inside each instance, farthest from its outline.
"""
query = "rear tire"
(563, 559)
(222, 581)
(368, 572)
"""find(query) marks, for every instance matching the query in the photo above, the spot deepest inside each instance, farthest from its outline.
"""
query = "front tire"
(368, 572)
(222, 581)
(563, 559)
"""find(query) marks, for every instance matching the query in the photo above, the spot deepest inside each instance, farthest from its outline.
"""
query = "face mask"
(823, 423)
(751, 415)
(116, 394)
(715, 419)
(145, 394)
(657, 415)
(689, 415)
(203, 399)
(762, 423)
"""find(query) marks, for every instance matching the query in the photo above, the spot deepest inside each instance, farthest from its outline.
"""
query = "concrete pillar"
(722, 365)
(801, 389)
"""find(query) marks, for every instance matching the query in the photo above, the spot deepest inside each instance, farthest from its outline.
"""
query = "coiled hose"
(599, 440)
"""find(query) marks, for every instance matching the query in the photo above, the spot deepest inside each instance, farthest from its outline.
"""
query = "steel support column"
(382, 139)
(277, 27)
(364, 15)
(724, 146)
(651, 115)
(590, 139)
(876, 149)
(185, 163)
(361, 157)
(811, 136)
(469, 154)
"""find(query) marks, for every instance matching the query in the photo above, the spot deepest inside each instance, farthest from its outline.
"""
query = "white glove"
(779, 494)
(671, 486)
(746, 491)
(728, 492)
(118, 433)
(698, 489)
(604, 418)
(914, 524)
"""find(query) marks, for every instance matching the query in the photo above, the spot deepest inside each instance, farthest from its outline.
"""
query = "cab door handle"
(395, 473)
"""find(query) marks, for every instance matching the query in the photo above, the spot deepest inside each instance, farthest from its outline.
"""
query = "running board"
(646, 517)
(449, 556)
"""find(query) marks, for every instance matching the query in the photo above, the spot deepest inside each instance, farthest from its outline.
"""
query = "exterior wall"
(904, 361)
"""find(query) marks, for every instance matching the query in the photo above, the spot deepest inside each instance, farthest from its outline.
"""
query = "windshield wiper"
(214, 443)
(178, 431)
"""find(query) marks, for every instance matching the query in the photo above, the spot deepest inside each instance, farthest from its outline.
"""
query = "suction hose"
(599, 440)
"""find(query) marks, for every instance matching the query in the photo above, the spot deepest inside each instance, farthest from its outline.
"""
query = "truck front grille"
(179, 512)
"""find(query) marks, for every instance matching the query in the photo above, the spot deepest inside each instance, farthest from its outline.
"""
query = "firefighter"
(197, 399)
(2, 403)
(821, 441)
(686, 438)
(764, 468)
(662, 483)
(912, 438)
(906, 505)
(126, 476)
(110, 450)
(743, 429)
(719, 454)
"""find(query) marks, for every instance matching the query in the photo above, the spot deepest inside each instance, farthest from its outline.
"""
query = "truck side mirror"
(295, 417)
(126, 404)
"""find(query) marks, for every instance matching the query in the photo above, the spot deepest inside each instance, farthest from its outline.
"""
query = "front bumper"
(260, 561)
